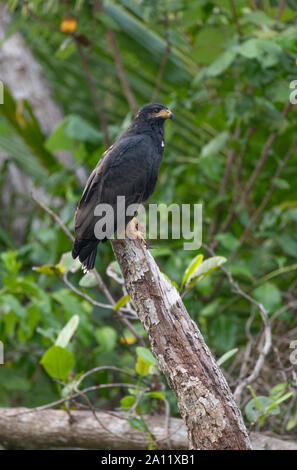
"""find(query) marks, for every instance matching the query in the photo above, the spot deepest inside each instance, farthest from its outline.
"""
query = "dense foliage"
(224, 68)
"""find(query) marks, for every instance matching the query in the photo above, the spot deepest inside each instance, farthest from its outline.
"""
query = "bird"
(128, 168)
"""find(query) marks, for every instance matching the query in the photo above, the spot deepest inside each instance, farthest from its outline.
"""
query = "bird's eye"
(156, 110)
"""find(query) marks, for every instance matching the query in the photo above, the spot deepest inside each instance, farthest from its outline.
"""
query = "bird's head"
(153, 112)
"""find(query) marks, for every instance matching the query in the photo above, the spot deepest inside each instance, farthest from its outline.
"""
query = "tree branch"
(97, 100)
(22, 428)
(99, 7)
(204, 398)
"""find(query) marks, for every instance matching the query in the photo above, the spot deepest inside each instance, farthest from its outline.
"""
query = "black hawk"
(128, 168)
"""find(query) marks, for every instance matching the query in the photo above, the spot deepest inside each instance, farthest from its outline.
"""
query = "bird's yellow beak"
(165, 113)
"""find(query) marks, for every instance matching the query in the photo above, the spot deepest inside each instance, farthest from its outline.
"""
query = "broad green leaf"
(192, 268)
(138, 424)
(127, 401)
(146, 355)
(142, 367)
(67, 332)
(253, 413)
(269, 295)
(106, 337)
(58, 362)
(204, 269)
(10, 262)
(88, 280)
(68, 263)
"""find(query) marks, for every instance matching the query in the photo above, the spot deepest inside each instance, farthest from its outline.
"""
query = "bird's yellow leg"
(135, 230)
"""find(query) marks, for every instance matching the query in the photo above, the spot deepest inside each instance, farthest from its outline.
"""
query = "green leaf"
(221, 63)
(72, 129)
(58, 362)
(79, 129)
(269, 295)
(266, 51)
(106, 337)
(254, 411)
(279, 401)
(106, 20)
(49, 269)
(213, 147)
(68, 263)
(288, 243)
(204, 269)
(138, 424)
(227, 356)
(121, 302)
(9, 259)
(281, 183)
(127, 401)
(156, 394)
(228, 241)
(278, 390)
(67, 332)
(11, 303)
(142, 367)
(146, 355)
(88, 280)
(192, 268)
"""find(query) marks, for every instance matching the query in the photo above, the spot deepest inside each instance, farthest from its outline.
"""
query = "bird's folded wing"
(124, 170)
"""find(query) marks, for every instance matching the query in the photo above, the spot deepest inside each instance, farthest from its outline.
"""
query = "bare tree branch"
(22, 428)
(204, 398)
(97, 100)
(266, 335)
(99, 7)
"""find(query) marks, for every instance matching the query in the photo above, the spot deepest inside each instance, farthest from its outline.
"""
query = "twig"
(121, 71)
(282, 6)
(164, 60)
(75, 395)
(99, 7)
(265, 201)
(54, 216)
(100, 368)
(262, 159)
(224, 182)
(97, 100)
(85, 296)
(266, 333)
(234, 13)
(119, 313)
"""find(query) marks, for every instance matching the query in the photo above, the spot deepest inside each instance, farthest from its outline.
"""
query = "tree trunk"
(204, 398)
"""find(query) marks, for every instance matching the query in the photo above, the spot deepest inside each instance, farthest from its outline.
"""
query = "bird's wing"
(124, 170)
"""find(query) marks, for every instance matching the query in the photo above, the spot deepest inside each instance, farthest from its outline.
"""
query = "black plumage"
(128, 168)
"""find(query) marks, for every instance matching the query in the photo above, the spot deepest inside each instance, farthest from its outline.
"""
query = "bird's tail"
(86, 251)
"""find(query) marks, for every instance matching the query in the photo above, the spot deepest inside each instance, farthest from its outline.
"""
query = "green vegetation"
(226, 75)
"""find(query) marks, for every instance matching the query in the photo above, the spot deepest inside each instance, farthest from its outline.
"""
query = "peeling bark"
(24, 429)
(204, 398)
